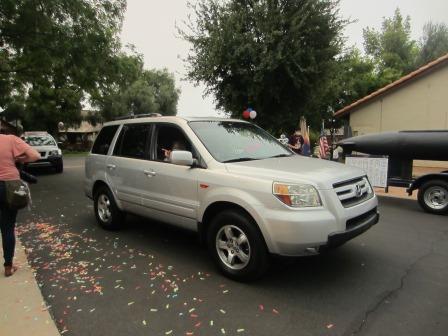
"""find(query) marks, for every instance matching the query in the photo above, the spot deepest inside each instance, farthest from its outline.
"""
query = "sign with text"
(374, 167)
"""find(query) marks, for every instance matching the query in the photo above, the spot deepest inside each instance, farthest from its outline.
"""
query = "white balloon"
(253, 114)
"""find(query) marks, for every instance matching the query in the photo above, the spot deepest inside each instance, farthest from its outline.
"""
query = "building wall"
(421, 104)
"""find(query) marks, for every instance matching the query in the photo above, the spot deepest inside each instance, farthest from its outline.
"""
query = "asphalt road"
(152, 279)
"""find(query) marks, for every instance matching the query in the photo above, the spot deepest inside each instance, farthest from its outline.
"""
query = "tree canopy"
(434, 42)
(392, 48)
(131, 89)
(53, 53)
(56, 55)
(275, 56)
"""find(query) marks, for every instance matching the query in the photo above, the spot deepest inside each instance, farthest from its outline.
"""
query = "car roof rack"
(135, 116)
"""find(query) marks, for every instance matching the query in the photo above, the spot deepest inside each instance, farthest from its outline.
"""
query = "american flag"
(323, 145)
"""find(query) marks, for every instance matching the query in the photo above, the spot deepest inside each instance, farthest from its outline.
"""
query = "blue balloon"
(249, 109)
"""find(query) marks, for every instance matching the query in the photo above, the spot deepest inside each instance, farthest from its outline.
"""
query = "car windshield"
(232, 141)
(40, 140)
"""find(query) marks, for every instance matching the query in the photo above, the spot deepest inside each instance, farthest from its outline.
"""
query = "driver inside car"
(177, 145)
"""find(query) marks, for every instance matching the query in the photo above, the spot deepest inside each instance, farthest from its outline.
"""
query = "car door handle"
(111, 166)
(149, 173)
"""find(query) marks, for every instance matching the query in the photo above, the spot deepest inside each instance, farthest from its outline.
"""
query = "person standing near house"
(12, 151)
(296, 142)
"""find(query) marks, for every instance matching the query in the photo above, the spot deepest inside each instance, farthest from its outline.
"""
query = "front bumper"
(51, 161)
(305, 232)
(365, 222)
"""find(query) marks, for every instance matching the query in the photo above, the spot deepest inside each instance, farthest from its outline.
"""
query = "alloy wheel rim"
(436, 197)
(104, 208)
(233, 247)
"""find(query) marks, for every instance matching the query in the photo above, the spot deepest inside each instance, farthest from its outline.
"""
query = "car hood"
(297, 169)
(44, 148)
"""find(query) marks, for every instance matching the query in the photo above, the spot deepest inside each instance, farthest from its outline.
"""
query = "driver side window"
(170, 138)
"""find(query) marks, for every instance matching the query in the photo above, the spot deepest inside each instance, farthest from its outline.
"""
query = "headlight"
(56, 152)
(297, 195)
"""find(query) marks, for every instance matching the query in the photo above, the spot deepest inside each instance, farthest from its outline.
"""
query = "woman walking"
(12, 150)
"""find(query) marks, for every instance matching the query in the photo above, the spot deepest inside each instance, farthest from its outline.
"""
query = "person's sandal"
(10, 270)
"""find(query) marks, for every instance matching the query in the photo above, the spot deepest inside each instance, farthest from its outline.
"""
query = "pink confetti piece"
(261, 307)
(275, 311)
(329, 326)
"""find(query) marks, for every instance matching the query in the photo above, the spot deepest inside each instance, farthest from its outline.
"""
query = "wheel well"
(426, 178)
(215, 208)
(97, 185)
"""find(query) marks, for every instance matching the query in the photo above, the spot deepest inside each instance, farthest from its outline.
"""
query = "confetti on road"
(329, 326)
(74, 266)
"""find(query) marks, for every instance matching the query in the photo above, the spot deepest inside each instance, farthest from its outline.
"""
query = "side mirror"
(182, 158)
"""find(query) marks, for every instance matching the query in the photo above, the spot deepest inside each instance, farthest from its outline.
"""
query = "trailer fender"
(424, 178)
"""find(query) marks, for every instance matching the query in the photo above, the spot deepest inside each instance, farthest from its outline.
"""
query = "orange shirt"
(11, 147)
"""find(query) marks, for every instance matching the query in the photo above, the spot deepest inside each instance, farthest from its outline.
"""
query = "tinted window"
(104, 139)
(132, 141)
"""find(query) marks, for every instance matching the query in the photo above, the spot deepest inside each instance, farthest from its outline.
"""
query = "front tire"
(107, 213)
(59, 167)
(237, 246)
(433, 197)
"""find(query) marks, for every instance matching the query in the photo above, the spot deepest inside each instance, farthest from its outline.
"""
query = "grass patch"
(74, 153)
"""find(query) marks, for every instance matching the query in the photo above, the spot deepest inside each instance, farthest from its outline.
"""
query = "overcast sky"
(150, 26)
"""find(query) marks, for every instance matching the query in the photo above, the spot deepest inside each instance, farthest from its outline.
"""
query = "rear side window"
(132, 141)
(104, 139)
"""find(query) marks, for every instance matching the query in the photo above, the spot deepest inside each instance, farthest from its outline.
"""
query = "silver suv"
(246, 194)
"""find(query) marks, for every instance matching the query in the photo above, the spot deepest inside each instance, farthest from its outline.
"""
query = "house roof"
(384, 90)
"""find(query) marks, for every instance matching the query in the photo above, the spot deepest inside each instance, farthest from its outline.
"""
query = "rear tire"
(107, 213)
(433, 197)
(237, 246)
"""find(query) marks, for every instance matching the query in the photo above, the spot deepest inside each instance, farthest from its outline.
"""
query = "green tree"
(434, 42)
(275, 56)
(355, 78)
(54, 53)
(132, 89)
(391, 48)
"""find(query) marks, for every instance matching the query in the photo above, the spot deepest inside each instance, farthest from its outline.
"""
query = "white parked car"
(46, 145)
(244, 193)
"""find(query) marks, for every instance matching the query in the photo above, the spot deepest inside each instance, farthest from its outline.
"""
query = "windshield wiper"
(280, 155)
(240, 159)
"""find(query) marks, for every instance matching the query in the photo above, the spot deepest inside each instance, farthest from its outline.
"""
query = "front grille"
(353, 192)
(354, 222)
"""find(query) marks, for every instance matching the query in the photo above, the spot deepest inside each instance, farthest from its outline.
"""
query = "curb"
(23, 311)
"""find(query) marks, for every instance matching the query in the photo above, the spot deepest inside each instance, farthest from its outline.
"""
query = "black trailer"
(402, 148)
